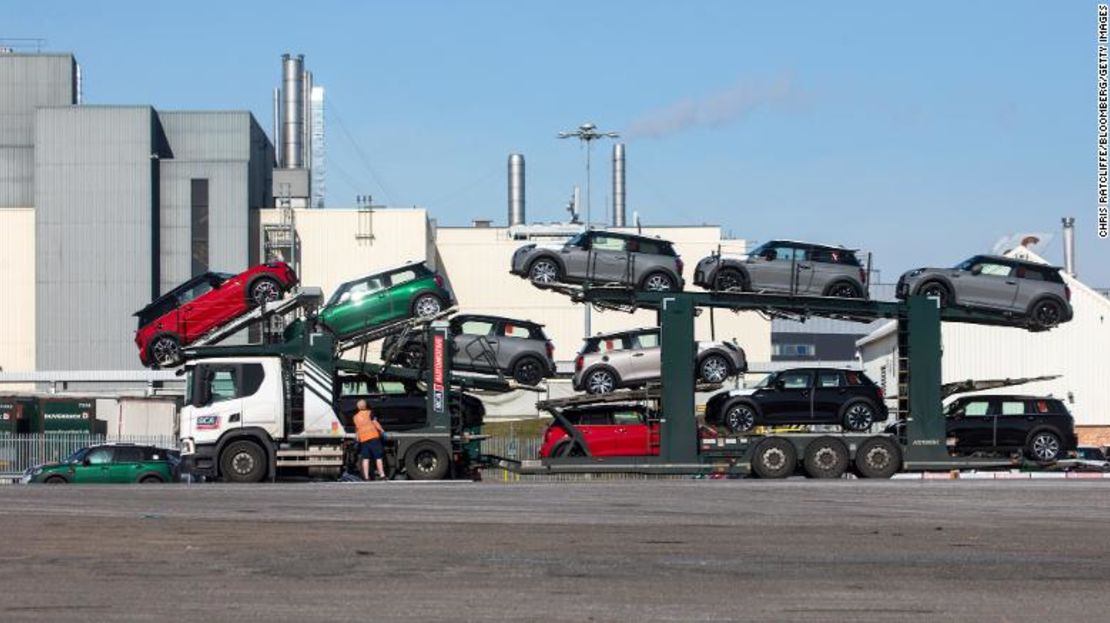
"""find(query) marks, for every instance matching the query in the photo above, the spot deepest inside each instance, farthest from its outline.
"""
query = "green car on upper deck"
(409, 291)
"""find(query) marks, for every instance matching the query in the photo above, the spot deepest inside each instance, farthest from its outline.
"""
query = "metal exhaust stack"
(277, 126)
(292, 134)
(618, 185)
(516, 190)
(1069, 245)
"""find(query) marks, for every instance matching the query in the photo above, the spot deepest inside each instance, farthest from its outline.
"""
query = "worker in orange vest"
(369, 432)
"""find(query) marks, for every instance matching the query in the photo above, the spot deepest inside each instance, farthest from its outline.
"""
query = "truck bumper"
(202, 462)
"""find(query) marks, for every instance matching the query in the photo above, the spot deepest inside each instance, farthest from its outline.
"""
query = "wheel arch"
(844, 279)
(953, 298)
(259, 277)
(716, 350)
(602, 366)
(1048, 296)
(664, 270)
(545, 255)
(741, 400)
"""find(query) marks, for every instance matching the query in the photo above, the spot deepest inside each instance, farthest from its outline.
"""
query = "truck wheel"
(878, 457)
(825, 457)
(426, 462)
(774, 457)
(243, 461)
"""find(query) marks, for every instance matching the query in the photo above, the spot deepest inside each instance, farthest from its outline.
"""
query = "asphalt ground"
(745, 550)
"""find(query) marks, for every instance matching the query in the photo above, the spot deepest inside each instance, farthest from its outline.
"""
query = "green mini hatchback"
(409, 291)
(109, 464)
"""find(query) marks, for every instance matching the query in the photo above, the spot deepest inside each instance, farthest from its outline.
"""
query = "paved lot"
(654, 550)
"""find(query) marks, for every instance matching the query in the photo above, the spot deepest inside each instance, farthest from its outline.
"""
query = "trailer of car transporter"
(921, 444)
(255, 412)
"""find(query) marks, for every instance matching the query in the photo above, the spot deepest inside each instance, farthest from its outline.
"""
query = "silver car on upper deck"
(786, 267)
(602, 257)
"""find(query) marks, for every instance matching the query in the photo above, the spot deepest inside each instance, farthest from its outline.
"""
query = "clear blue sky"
(922, 132)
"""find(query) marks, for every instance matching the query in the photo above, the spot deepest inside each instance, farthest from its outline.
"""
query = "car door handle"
(637, 354)
(1011, 282)
(620, 430)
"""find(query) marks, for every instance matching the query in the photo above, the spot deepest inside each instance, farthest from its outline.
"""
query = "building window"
(198, 210)
(793, 350)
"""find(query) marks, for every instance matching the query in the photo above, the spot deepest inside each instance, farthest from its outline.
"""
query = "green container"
(68, 415)
(18, 414)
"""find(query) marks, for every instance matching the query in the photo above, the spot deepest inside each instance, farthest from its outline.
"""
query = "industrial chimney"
(618, 185)
(516, 190)
(1069, 245)
(292, 110)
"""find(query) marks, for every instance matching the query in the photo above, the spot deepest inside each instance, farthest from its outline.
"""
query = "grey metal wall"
(27, 82)
(96, 233)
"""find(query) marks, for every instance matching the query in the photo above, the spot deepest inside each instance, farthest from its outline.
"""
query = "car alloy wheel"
(714, 369)
(528, 372)
(265, 291)
(600, 382)
(728, 280)
(427, 306)
(544, 271)
(413, 357)
(1045, 447)
(860, 416)
(740, 418)
(845, 291)
(165, 351)
(1047, 314)
(658, 282)
(936, 291)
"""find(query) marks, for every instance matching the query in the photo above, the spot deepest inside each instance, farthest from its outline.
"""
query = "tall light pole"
(588, 133)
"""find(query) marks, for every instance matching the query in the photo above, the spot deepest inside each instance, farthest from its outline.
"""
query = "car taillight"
(678, 264)
(579, 362)
(439, 281)
(1067, 293)
(863, 276)
(882, 394)
(550, 350)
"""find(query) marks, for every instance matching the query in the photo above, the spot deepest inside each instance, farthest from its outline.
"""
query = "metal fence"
(18, 452)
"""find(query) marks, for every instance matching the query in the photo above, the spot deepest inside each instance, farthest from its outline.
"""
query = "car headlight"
(915, 272)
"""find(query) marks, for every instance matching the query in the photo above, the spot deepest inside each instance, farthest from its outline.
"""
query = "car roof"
(517, 321)
(834, 247)
(1004, 259)
(182, 287)
(608, 406)
(1007, 397)
(386, 271)
(601, 336)
(819, 369)
(621, 234)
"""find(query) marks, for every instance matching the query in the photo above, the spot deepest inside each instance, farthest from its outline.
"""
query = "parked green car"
(109, 463)
(408, 291)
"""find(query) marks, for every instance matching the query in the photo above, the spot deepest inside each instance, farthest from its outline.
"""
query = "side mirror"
(975, 270)
(343, 298)
(86, 462)
(779, 385)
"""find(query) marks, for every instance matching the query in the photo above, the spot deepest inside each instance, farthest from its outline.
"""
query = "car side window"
(477, 327)
(611, 344)
(992, 269)
(608, 243)
(128, 455)
(509, 329)
(361, 289)
(1013, 407)
(99, 456)
(795, 380)
(402, 276)
(223, 384)
(392, 387)
(785, 253)
(646, 340)
(626, 418)
(854, 378)
(194, 292)
(154, 454)
(828, 379)
(1031, 274)
(975, 408)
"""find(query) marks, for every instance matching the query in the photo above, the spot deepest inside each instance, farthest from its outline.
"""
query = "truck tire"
(426, 462)
(243, 461)
(774, 457)
(878, 457)
(825, 457)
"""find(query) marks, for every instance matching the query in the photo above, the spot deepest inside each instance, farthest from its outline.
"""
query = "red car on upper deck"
(192, 309)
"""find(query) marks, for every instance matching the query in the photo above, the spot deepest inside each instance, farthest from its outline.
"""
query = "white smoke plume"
(714, 110)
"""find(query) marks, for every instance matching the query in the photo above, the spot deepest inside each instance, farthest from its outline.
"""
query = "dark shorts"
(372, 449)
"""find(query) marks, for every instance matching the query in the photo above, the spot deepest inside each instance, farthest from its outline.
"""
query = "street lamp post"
(588, 133)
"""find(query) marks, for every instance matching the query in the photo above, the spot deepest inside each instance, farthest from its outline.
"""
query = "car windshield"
(77, 456)
(968, 263)
(766, 382)
(577, 240)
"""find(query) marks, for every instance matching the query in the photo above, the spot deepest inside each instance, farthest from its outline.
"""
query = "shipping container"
(69, 415)
(18, 415)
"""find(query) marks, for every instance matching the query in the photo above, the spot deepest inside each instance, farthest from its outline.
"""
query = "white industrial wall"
(1078, 351)
(17, 280)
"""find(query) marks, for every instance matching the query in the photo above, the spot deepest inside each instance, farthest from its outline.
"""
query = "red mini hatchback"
(607, 429)
(184, 314)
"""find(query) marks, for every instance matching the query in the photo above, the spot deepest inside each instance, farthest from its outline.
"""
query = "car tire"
(844, 290)
(243, 461)
(528, 371)
(825, 457)
(774, 457)
(56, 480)
(568, 447)
(601, 381)
(714, 368)
(937, 290)
(858, 416)
(658, 282)
(1046, 313)
(545, 271)
(426, 306)
(426, 462)
(878, 457)
(1044, 446)
(412, 356)
(164, 351)
(151, 480)
(729, 279)
(739, 417)
(265, 290)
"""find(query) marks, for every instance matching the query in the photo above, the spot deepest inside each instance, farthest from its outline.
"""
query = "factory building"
(1076, 352)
